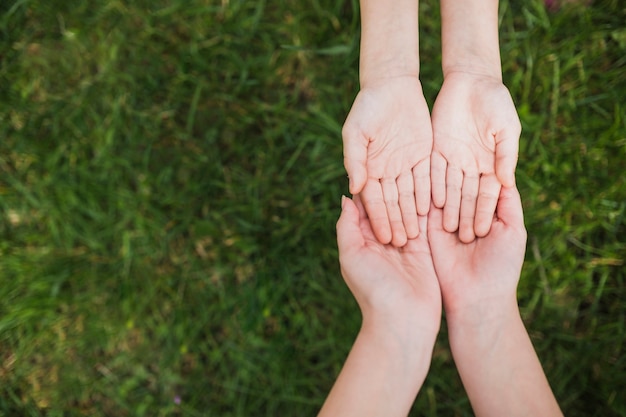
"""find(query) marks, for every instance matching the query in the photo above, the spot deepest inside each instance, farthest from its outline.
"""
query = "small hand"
(476, 137)
(387, 140)
(484, 273)
(386, 281)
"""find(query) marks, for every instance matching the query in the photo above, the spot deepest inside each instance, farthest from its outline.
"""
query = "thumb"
(507, 148)
(349, 234)
(509, 209)
(355, 159)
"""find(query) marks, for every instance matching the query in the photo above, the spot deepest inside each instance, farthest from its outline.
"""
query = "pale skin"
(392, 153)
(400, 293)
(399, 298)
(490, 345)
(475, 125)
(387, 135)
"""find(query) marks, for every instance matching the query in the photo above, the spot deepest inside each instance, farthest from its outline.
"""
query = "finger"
(435, 220)
(364, 221)
(358, 202)
(407, 205)
(454, 181)
(469, 195)
(507, 149)
(374, 203)
(438, 238)
(488, 192)
(348, 231)
(421, 179)
(420, 242)
(438, 168)
(355, 158)
(390, 194)
(509, 208)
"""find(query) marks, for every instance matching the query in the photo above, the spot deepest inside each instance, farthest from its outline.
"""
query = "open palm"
(476, 136)
(486, 271)
(387, 141)
(386, 280)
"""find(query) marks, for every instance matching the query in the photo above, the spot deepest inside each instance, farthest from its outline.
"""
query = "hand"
(388, 282)
(483, 274)
(476, 137)
(490, 345)
(399, 297)
(387, 139)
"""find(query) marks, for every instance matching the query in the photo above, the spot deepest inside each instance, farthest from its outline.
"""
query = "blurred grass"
(170, 178)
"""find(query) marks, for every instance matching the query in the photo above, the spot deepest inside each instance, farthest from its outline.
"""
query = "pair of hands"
(401, 290)
(410, 282)
(398, 158)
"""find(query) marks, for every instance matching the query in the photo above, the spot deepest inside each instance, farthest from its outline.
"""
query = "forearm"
(382, 374)
(499, 367)
(469, 37)
(389, 40)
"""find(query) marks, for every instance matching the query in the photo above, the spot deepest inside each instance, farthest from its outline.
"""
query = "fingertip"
(383, 234)
(450, 224)
(349, 211)
(506, 177)
(399, 240)
(482, 228)
(357, 180)
(413, 231)
(466, 235)
(349, 235)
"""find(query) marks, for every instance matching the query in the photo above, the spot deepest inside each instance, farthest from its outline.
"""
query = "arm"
(387, 135)
(491, 348)
(475, 125)
(498, 365)
(399, 298)
(469, 37)
(389, 40)
(382, 374)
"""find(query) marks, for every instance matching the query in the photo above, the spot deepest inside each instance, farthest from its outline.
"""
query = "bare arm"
(389, 40)
(491, 348)
(469, 37)
(399, 298)
(475, 125)
(498, 364)
(387, 136)
(383, 372)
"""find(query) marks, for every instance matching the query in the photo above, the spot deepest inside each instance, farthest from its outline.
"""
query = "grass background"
(170, 176)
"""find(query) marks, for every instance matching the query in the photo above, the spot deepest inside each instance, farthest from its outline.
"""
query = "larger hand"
(476, 135)
(399, 297)
(387, 140)
(386, 281)
(490, 345)
(485, 272)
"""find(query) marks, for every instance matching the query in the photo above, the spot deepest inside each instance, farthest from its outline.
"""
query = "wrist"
(480, 313)
(474, 69)
(416, 327)
(412, 341)
(470, 37)
(402, 83)
(387, 70)
(389, 40)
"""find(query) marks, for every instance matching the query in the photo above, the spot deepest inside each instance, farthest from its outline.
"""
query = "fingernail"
(343, 201)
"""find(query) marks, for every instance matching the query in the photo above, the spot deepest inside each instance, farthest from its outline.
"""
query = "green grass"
(170, 176)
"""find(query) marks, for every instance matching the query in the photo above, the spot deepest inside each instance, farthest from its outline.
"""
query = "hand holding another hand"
(393, 283)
